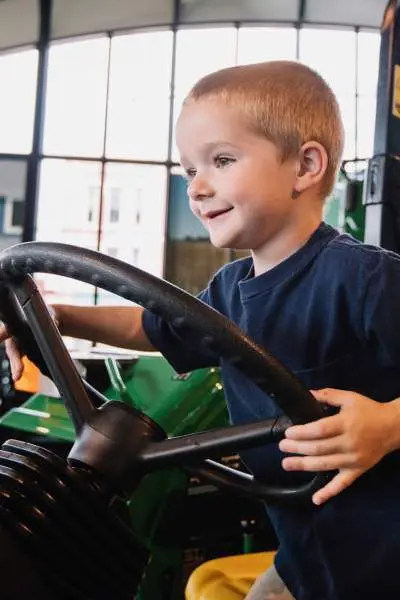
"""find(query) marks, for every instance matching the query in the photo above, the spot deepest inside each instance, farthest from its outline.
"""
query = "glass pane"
(68, 212)
(190, 258)
(69, 193)
(198, 52)
(368, 62)
(258, 44)
(139, 96)
(76, 98)
(348, 109)
(133, 220)
(333, 54)
(12, 201)
(18, 77)
(366, 113)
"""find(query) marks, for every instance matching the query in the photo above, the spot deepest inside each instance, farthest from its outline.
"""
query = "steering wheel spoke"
(42, 343)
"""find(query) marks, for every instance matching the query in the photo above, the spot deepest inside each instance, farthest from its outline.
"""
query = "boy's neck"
(284, 245)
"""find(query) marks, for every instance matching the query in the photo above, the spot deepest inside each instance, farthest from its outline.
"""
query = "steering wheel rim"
(185, 312)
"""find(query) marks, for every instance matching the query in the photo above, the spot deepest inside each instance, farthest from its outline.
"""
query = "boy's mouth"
(213, 214)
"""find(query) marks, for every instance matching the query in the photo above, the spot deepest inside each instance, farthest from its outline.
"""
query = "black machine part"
(117, 442)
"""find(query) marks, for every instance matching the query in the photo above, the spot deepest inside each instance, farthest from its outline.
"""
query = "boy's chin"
(228, 246)
(221, 245)
(225, 243)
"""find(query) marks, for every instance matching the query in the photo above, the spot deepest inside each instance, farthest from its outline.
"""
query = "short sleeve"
(182, 352)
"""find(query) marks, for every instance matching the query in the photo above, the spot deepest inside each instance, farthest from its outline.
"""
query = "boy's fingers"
(14, 356)
(330, 462)
(332, 396)
(323, 428)
(327, 426)
(3, 332)
(312, 448)
(339, 483)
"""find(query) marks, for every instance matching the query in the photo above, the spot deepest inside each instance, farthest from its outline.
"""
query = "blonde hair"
(287, 102)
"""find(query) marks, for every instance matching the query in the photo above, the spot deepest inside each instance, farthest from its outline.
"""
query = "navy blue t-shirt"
(330, 313)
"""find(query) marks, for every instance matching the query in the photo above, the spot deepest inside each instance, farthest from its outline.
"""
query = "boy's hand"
(351, 441)
(13, 353)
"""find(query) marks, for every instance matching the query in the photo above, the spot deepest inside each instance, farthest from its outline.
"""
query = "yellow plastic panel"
(228, 578)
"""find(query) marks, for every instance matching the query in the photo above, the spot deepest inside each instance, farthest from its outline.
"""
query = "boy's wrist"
(55, 313)
(393, 433)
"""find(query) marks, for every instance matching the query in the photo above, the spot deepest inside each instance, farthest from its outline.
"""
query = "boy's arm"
(351, 441)
(119, 326)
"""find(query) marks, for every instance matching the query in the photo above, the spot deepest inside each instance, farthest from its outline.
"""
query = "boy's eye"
(223, 161)
(190, 174)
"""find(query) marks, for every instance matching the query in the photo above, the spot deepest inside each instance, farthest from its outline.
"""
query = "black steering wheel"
(116, 441)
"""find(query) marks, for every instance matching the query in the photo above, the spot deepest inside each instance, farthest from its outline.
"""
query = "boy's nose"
(200, 188)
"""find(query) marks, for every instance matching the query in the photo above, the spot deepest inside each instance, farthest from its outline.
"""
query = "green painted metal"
(344, 208)
(41, 415)
(155, 513)
(179, 403)
(355, 212)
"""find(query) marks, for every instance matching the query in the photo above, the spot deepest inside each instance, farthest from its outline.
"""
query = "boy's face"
(238, 186)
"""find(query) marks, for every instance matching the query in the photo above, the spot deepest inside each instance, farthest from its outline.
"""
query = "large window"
(110, 108)
(115, 207)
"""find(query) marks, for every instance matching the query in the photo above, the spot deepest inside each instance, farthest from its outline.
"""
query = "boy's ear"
(312, 164)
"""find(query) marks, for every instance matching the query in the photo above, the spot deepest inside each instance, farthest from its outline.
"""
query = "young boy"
(260, 145)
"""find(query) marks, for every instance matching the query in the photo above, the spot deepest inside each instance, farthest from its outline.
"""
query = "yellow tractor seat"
(228, 578)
